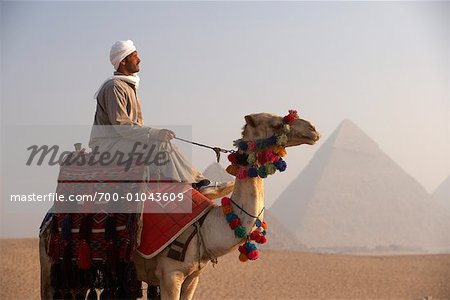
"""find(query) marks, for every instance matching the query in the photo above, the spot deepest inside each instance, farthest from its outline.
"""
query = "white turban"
(119, 51)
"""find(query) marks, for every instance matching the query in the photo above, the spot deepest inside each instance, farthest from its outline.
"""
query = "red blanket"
(160, 229)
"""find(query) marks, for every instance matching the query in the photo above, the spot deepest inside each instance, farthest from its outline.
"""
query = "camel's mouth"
(303, 133)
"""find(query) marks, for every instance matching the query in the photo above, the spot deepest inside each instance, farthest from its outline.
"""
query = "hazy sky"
(385, 66)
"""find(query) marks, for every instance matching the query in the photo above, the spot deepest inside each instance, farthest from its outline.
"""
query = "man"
(119, 125)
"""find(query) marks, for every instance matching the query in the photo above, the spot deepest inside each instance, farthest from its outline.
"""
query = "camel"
(178, 280)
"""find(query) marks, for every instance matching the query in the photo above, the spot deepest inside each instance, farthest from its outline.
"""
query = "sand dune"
(276, 275)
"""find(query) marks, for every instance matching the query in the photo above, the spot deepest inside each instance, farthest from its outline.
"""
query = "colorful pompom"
(235, 223)
(232, 169)
(281, 165)
(262, 172)
(252, 255)
(289, 118)
(262, 157)
(250, 247)
(260, 144)
(252, 172)
(251, 159)
(282, 140)
(255, 236)
(258, 223)
(271, 169)
(233, 158)
(251, 146)
(264, 225)
(243, 145)
(231, 217)
(243, 257)
(240, 232)
(225, 201)
(227, 209)
(272, 141)
(242, 173)
(242, 159)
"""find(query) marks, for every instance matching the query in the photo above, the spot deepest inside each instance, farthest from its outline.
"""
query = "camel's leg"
(46, 287)
(189, 286)
(170, 284)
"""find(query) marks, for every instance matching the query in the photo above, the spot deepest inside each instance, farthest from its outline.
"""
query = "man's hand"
(166, 135)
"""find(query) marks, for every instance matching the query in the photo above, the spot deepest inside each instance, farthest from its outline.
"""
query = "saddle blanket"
(161, 229)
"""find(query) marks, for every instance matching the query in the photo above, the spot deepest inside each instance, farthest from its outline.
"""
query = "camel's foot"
(218, 190)
(153, 292)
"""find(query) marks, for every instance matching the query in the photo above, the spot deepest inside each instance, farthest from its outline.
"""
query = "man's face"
(132, 63)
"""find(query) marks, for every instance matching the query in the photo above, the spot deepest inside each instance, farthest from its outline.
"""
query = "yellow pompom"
(232, 169)
(243, 257)
(227, 209)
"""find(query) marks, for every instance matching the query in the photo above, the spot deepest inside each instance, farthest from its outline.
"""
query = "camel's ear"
(250, 120)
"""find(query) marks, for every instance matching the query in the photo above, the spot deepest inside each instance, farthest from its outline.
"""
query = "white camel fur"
(178, 280)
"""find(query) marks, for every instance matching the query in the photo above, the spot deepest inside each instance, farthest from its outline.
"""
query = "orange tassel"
(243, 257)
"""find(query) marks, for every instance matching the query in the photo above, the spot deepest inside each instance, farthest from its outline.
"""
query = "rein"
(217, 150)
(247, 213)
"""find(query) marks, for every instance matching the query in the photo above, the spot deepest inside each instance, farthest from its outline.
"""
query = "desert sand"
(276, 275)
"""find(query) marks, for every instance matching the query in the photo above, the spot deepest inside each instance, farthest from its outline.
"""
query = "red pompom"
(235, 223)
(290, 117)
(253, 255)
(233, 158)
(226, 201)
(262, 240)
(242, 249)
(255, 236)
(262, 157)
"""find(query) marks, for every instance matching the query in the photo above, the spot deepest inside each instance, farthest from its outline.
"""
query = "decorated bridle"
(258, 158)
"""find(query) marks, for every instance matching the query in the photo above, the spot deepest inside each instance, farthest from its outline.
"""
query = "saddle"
(91, 243)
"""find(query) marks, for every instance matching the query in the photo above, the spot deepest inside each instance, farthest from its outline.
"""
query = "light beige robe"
(118, 125)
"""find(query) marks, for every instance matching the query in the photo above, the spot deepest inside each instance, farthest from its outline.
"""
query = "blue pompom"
(264, 232)
(250, 247)
(258, 223)
(281, 165)
(230, 217)
(252, 172)
(272, 141)
(243, 145)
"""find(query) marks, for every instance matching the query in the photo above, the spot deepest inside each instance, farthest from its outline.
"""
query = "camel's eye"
(278, 126)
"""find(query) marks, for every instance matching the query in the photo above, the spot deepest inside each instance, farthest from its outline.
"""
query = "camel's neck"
(249, 194)
(218, 237)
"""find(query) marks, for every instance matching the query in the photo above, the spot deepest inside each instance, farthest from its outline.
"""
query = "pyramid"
(353, 196)
(442, 193)
(278, 236)
(215, 172)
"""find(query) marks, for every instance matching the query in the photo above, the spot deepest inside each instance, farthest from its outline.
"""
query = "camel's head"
(264, 125)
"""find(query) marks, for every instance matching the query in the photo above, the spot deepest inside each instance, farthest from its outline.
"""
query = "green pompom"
(240, 232)
(271, 169)
(262, 172)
